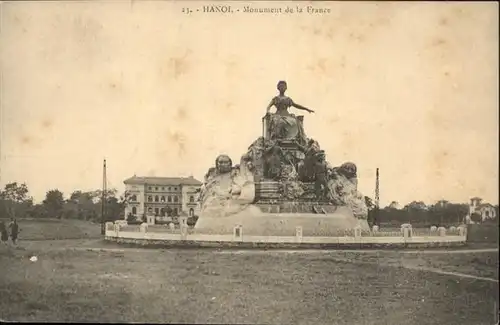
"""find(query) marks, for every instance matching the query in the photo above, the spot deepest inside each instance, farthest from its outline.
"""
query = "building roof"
(162, 180)
(486, 205)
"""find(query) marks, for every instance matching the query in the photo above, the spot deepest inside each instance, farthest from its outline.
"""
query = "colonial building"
(159, 195)
(486, 210)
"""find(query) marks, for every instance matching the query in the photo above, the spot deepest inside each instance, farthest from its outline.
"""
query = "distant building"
(442, 203)
(394, 205)
(154, 195)
(486, 210)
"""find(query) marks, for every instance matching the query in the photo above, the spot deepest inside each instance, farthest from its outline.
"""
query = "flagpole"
(103, 200)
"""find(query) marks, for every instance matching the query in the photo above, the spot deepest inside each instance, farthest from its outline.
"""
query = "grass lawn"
(48, 229)
(206, 286)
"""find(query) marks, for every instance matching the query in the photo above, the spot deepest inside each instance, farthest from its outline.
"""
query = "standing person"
(14, 230)
(3, 233)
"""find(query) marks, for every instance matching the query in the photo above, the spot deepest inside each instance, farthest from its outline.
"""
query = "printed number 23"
(186, 10)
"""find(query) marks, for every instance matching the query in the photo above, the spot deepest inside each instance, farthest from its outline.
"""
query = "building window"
(157, 211)
(169, 199)
(191, 199)
(487, 214)
(150, 198)
(149, 188)
(175, 188)
(162, 199)
(162, 188)
(150, 210)
(157, 198)
(169, 188)
(191, 212)
(162, 212)
(175, 212)
(176, 199)
(156, 188)
(134, 210)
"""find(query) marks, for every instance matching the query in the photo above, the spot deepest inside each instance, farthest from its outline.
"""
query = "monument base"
(256, 222)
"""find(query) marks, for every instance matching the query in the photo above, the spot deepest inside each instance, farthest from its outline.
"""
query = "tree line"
(442, 213)
(15, 202)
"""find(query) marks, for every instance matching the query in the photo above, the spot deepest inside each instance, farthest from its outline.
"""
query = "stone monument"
(283, 181)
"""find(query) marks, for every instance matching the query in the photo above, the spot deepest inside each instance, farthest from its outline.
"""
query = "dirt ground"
(76, 280)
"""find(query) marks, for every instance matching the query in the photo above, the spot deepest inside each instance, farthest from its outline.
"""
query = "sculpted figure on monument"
(343, 190)
(210, 173)
(223, 164)
(253, 160)
(273, 159)
(320, 170)
(306, 167)
(282, 124)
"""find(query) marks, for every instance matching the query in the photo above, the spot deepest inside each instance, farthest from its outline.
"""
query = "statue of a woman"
(283, 124)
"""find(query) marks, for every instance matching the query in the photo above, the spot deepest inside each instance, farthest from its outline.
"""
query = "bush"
(476, 217)
(131, 218)
(191, 221)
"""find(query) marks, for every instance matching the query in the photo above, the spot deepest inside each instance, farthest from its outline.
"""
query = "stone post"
(238, 233)
(298, 234)
(407, 230)
(171, 226)
(144, 227)
(442, 231)
(184, 227)
(184, 232)
(433, 229)
(183, 221)
(117, 229)
(357, 232)
(462, 231)
(407, 233)
(375, 229)
(110, 226)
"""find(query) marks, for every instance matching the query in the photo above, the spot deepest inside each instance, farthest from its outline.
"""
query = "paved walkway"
(99, 246)
(325, 251)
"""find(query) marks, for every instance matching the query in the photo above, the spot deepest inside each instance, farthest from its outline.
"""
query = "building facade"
(162, 196)
(486, 210)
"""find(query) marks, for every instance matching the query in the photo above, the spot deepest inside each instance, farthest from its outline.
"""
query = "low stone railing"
(406, 235)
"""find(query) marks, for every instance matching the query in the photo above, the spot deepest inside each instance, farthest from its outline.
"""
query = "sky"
(409, 88)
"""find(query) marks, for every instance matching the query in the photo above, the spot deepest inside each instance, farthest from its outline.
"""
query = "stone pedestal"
(110, 226)
(150, 220)
(238, 233)
(357, 232)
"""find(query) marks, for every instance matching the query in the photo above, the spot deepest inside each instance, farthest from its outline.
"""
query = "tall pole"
(377, 190)
(377, 198)
(103, 201)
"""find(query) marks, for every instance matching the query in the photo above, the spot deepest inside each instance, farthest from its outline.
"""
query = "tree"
(14, 200)
(416, 205)
(476, 217)
(393, 205)
(38, 211)
(369, 203)
(54, 203)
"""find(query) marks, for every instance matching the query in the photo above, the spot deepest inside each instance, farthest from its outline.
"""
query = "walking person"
(14, 230)
(3, 233)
